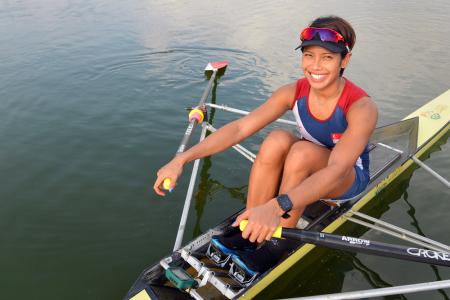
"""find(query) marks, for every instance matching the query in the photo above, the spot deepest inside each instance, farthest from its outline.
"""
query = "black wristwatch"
(285, 204)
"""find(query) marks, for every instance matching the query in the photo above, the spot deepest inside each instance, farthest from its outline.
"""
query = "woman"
(329, 160)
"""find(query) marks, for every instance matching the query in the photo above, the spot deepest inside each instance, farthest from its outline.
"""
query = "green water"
(92, 98)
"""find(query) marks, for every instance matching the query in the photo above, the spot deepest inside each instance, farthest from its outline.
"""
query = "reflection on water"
(415, 224)
(371, 277)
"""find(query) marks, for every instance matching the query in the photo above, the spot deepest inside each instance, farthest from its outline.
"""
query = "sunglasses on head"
(325, 35)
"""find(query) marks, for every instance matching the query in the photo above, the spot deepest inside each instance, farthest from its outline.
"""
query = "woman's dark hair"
(340, 25)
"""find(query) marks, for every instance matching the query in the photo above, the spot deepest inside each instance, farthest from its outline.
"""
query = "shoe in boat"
(223, 246)
(263, 258)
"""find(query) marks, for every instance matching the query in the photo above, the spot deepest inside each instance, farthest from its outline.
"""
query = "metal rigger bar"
(187, 202)
(396, 290)
(239, 148)
(244, 112)
(431, 171)
(396, 231)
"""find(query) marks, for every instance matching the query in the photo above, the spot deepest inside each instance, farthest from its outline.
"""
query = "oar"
(353, 244)
(196, 115)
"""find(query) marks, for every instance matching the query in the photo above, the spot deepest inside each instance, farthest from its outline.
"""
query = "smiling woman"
(328, 158)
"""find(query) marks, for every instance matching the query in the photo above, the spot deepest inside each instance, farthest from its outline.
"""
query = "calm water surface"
(92, 98)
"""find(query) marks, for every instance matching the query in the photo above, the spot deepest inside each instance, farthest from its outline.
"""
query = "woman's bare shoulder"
(285, 93)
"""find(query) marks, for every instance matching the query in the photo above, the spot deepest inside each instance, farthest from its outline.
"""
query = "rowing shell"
(392, 148)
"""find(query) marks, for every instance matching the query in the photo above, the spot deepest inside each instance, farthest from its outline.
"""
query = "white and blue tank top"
(327, 132)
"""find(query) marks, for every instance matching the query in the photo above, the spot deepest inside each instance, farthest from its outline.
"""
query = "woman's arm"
(230, 134)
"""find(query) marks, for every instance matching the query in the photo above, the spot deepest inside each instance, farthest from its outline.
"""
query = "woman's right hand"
(172, 170)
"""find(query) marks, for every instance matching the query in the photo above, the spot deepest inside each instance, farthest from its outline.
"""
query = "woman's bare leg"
(268, 166)
(303, 160)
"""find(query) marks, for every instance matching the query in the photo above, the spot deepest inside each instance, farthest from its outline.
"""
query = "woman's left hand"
(262, 221)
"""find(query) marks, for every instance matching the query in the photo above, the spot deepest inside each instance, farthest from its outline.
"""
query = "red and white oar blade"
(216, 65)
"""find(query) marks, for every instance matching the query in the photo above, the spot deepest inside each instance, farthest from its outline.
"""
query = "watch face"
(284, 202)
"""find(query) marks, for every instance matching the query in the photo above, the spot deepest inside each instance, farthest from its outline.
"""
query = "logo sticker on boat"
(435, 114)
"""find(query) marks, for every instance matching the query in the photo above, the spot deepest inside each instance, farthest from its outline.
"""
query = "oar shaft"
(188, 133)
(370, 247)
(207, 89)
(186, 137)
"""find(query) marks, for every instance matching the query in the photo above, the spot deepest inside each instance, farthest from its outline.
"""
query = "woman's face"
(321, 66)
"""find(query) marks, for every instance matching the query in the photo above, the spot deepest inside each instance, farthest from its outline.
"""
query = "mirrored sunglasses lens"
(328, 36)
(308, 34)
(324, 34)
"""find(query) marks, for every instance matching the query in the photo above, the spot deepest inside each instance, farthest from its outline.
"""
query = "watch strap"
(285, 204)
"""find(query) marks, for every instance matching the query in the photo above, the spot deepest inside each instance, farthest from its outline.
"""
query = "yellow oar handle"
(166, 184)
(276, 234)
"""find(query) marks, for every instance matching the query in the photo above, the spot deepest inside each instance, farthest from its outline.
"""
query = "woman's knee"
(276, 146)
(306, 155)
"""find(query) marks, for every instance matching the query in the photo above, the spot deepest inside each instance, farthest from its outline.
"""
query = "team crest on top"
(336, 137)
